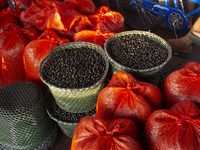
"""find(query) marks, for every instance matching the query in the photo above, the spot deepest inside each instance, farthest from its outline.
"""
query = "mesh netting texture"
(25, 124)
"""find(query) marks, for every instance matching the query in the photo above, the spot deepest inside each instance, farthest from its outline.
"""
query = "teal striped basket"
(25, 123)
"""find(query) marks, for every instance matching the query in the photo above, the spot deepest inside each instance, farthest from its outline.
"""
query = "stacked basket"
(69, 63)
(131, 51)
(24, 121)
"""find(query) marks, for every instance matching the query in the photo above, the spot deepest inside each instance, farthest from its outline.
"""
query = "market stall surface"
(64, 142)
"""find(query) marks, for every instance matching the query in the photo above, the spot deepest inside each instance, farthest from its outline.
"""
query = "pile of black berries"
(137, 52)
(61, 114)
(74, 68)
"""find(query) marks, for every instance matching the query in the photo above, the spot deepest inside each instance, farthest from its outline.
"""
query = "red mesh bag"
(8, 16)
(3, 5)
(124, 96)
(100, 26)
(86, 7)
(97, 37)
(183, 84)
(28, 32)
(12, 44)
(24, 4)
(45, 15)
(174, 129)
(112, 19)
(74, 21)
(36, 50)
(93, 133)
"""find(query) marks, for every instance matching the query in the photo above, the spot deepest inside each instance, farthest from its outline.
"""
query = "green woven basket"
(25, 123)
(151, 75)
(47, 144)
(76, 100)
(67, 128)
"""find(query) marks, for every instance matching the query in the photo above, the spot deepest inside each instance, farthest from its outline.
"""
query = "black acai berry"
(137, 52)
(62, 115)
(74, 68)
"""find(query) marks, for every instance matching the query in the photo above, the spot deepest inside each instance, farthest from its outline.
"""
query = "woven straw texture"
(67, 128)
(151, 75)
(76, 100)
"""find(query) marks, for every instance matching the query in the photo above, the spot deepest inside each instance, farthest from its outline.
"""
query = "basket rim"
(75, 44)
(139, 33)
(59, 121)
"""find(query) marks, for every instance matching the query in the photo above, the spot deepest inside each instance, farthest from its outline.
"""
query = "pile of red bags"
(130, 114)
(35, 27)
(125, 100)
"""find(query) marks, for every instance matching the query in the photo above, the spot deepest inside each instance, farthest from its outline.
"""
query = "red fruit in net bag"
(3, 5)
(93, 133)
(176, 128)
(7, 16)
(97, 37)
(86, 7)
(29, 32)
(74, 21)
(112, 19)
(12, 44)
(183, 84)
(125, 96)
(24, 4)
(100, 26)
(45, 15)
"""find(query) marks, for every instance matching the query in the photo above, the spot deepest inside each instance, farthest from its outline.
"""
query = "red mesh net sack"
(93, 133)
(3, 5)
(112, 19)
(24, 4)
(86, 7)
(12, 44)
(8, 16)
(124, 96)
(74, 21)
(36, 50)
(97, 37)
(100, 26)
(30, 33)
(183, 84)
(45, 15)
(176, 128)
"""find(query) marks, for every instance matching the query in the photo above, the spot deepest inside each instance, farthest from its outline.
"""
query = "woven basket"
(151, 75)
(76, 100)
(47, 144)
(24, 122)
(67, 128)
